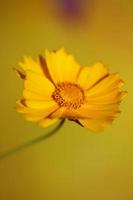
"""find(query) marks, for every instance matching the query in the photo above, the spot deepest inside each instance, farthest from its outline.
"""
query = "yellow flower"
(56, 87)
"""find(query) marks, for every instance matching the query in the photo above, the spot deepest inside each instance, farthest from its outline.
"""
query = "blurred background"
(74, 163)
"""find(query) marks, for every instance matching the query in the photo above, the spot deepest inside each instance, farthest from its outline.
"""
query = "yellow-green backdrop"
(74, 163)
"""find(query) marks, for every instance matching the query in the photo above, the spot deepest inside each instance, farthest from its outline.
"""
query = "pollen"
(68, 95)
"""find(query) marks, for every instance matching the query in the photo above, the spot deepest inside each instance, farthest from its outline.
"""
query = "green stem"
(31, 142)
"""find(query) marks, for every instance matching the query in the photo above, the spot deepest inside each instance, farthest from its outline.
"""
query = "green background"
(74, 163)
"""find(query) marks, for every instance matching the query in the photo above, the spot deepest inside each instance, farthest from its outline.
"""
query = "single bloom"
(57, 87)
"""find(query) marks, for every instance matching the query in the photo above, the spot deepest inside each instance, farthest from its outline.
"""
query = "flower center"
(68, 95)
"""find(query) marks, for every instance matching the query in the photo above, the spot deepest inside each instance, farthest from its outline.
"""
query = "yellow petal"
(32, 65)
(58, 113)
(113, 97)
(95, 125)
(35, 113)
(90, 75)
(41, 104)
(33, 117)
(20, 73)
(30, 95)
(45, 69)
(106, 85)
(47, 122)
(21, 107)
(96, 112)
(62, 66)
(100, 107)
(30, 114)
(38, 84)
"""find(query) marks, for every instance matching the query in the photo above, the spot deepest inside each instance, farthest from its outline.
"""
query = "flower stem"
(31, 142)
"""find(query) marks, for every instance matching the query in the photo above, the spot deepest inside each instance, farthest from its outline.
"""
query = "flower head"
(56, 87)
